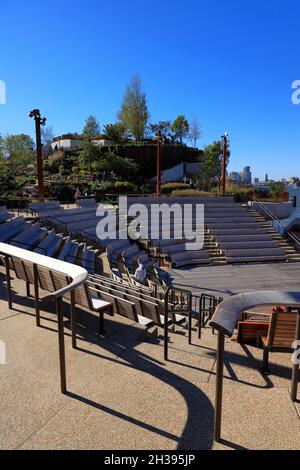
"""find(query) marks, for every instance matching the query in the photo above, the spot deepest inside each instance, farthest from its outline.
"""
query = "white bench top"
(78, 274)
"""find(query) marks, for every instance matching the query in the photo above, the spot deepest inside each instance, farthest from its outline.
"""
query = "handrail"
(225, 319)
(78, 274)
(277, 220)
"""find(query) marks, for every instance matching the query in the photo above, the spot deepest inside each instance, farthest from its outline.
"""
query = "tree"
(115, 132)
(180, 128)
(91, 128)
(134, 113)
(276, 189)
(211, 168)
(195, 132)
(89, 154)
(18, 151)
(47, 135)
(164, 127)
(115, 167)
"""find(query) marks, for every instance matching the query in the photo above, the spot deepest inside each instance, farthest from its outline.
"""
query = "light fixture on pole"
(35, 113)
(160, 140)
(225, 149)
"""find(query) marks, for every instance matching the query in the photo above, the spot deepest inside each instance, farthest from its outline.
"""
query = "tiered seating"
(10, 229)
(87, 203)
(166, 238)
(4, 214)
(239, 236)
(43, 209)
(69, 251)
(115, 249)
(30, 238)
(50, 245)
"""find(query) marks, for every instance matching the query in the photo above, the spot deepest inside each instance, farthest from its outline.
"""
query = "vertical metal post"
(295, 375)
(8, 282)
(61, 345)
(39, 158)
(219, 385)
(73, 320)
(224, 165)
(28, 293)
(166, 333)
(158, 164)
(190, 306)
(36, 296)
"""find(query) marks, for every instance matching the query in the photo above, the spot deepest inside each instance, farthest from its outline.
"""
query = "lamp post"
(35, 113)
(225, 147)
(158, 164)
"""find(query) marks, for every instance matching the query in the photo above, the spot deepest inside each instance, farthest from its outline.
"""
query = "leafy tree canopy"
(18, 150)
(134, 113)
(180, 128)
(164, 127)
(91, 129)
(111, 166)
(115, 132)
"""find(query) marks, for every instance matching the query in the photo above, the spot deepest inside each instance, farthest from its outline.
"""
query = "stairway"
(216, 256)
(293, 255)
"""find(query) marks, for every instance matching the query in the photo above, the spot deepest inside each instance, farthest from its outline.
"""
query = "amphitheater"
(138, 360)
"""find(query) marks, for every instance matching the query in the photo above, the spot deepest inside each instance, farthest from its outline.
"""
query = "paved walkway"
(122, 395)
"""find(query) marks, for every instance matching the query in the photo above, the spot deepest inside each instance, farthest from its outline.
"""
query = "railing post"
(36, 295)
(166, 332)
(190, 317)
(8, 282)
(219, 385)
(61, 345)
(73, 320)
(295, 375)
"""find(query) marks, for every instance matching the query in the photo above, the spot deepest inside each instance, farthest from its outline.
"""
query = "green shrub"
(190, 192)
(125, 187)
(168, 188)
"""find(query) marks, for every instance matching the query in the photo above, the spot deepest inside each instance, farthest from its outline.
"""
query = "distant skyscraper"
(266, 178)
(246, 175)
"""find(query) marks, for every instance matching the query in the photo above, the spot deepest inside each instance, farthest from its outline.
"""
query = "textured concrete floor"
(123, 396)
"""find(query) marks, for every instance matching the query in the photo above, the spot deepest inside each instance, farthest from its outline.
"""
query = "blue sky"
(229, 63)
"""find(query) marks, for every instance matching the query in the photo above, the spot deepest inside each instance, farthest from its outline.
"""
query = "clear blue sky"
(229, 63)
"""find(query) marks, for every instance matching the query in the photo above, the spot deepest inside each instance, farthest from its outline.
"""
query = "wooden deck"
(226, 280)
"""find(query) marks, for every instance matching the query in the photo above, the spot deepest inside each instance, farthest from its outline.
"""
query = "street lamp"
(225, 148)
(160, 140)
(35, 113)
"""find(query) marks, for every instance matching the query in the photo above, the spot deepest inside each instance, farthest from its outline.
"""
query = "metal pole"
(158, 165)
(224, 165)
(39, 157)
(73, 320)
(36, 295)
(61, 345)
(8, 283)
(166, 333)
(295, 375)
(219, 385)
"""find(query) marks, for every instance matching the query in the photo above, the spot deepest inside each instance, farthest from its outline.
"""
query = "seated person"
(140, 274)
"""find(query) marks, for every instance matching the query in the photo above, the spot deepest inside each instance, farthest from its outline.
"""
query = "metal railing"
(275, 219)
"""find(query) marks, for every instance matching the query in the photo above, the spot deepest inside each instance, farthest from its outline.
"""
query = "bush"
(190, 192)
(125, 187)
(168, 188)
